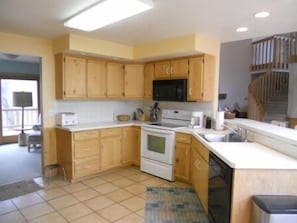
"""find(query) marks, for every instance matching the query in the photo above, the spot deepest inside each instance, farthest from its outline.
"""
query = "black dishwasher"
(219, 190)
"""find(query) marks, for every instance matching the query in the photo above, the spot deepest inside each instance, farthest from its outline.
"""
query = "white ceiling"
(169, 18)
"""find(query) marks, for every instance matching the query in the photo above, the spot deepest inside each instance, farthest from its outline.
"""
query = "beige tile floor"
(116, 196)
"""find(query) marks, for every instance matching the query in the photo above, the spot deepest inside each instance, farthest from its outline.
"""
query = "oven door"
(157, 144)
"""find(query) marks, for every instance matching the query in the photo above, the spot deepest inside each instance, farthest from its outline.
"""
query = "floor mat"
(173, 205)
(17, 189)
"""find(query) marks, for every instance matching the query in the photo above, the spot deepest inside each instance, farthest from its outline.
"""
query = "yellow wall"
(87, 45)
(25, 45)
(17, 44)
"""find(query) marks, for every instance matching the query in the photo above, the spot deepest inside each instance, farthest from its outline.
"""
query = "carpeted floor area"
(173, 205)
(18, 164)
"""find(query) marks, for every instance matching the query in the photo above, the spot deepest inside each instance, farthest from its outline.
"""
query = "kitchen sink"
(213, 137)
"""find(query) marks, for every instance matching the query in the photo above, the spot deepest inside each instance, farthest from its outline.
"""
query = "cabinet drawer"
(201, 149)
(85, 135)
(85, 167)
(85, 148)
(183, 138)
(110, 132)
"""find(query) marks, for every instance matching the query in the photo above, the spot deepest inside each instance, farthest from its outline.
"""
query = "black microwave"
(170, 90)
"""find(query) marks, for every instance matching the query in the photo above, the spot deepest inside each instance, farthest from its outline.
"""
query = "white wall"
(96, 111)
(234, 73)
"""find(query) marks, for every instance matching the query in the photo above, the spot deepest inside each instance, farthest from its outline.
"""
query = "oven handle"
(153, 130)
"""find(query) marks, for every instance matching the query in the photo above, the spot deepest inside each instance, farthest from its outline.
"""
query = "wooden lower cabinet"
(78, 152)
(131, 146)
(182, 157)
(199, 171)
(111, 148)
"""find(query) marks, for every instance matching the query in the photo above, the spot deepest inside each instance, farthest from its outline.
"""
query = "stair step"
(278, 117)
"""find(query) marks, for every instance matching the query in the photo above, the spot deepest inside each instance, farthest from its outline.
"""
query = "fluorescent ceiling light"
(107, 12)
(242, 29)
(262, 14)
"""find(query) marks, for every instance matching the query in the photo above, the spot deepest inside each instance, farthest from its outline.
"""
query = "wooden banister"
(273, 52)
(262, 89)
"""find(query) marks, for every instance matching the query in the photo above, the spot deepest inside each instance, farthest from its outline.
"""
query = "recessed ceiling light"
(262, 14)
(242, 29)
(106, 13)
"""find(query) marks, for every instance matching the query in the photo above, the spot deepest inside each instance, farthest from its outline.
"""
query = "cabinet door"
(148, 81)
(134, 81)
(179, 68)
(199, 171)
(74, 77)
(182, 161)
(115, 80)
(202, 187)
(162, 70)
(131, 146)
(111, 152)
(96, 79)
(195, 81)
(201, 78)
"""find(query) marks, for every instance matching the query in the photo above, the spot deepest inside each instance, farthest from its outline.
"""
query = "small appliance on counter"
(66, 119)
(196, 120)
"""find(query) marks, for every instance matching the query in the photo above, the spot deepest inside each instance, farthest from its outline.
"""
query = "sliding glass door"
(11, 117)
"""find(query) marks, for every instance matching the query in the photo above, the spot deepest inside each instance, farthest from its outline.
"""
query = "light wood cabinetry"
(86, 153)
(201, 78)
(131, 145)
(111, 148)
(70, 77)
(115, 80)
(134, 81)
(148, 80)
(182, 157)
(178, 68)
(199, 171)
(78, 152)
(96, 79)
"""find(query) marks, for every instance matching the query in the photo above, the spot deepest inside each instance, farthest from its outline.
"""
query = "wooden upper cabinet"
(148, 80)
(115, 80)
(134, 81)
(96, 79)
(70, 77)
(178, 68)
(201, 78)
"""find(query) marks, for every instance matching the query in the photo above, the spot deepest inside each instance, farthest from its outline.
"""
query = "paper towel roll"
(220, 120)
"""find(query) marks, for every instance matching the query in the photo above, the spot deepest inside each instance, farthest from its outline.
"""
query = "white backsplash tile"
(97, 111)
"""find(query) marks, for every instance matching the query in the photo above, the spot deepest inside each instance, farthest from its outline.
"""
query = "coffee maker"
(196, 120)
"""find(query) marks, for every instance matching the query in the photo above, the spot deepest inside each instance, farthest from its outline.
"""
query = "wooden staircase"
(268, 91)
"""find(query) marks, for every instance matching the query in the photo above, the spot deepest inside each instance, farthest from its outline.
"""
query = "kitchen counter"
(101, 125)
(238, 155)
(244, 155)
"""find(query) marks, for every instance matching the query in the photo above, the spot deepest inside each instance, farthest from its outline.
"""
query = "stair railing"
(273, 52)
(262, 89)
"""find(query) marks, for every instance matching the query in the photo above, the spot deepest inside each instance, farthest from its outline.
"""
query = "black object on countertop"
(208, 123)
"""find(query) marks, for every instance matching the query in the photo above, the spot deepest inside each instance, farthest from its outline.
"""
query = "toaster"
(66, 119)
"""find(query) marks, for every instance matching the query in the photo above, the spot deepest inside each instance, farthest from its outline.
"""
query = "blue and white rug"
(173, 205)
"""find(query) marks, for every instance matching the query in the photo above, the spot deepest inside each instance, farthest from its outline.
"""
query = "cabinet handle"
(187, 152)
(171, 70)
(190, 91)
(167, 70)
(197, 164)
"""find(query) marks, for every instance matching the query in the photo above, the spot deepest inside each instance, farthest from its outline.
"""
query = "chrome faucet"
(240, 132)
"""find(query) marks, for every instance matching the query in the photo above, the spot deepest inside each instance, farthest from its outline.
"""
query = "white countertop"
(239, 155)
(101, 125)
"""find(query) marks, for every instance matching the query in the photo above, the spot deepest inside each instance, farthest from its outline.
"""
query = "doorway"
(11, 117)
(19, 73)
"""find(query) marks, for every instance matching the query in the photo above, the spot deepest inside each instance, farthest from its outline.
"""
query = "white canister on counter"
(220, 120)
